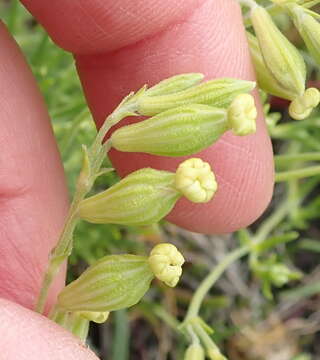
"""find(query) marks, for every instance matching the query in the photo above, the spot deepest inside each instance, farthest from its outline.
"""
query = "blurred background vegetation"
(254, 317)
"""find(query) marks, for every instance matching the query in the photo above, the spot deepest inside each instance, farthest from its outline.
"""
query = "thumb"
(25, 335)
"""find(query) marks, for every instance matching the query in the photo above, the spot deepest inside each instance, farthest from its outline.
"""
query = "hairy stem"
(93, 160)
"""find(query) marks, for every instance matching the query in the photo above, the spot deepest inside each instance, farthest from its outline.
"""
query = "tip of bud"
(195, 180)
(95, 316)
(301, 107)
(242, 114)
(166, 263)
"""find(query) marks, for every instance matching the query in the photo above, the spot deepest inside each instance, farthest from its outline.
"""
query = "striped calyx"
(281, 58)
(146, 196)
(142, 198)
(187, 129)
(114, 282)
(184, 130)
(218, 93)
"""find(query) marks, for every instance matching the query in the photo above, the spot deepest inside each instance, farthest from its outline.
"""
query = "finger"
(25, 335)
(210, 39)
(33, 197)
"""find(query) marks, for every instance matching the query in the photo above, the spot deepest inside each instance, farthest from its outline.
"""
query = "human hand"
(118, 48)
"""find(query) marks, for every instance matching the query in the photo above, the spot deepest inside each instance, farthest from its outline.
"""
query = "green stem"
(210, 280)
(281, 160)
(91, 167)
(272, 221)
(297, 174)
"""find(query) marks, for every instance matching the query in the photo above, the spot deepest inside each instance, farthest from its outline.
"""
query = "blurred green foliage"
(288, 233)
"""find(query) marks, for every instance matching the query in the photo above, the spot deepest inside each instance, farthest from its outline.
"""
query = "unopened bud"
(195, 180)
(218, 93)
(175, 84)
(184, 130)
(308, 27)
(266, 80)
(281, 58)
(301, 107)
(143, 197)
(114, 282)
(194, 352)
(166, 263)
(187, 129)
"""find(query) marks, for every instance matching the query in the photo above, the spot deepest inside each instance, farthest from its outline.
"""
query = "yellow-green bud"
(175, 84)
(112, 283)
(242, 114)
(194, 352)
(195, 180)
(166, 263)
(142, 198)
(187, 129)
(308, 27)
(95, 316)
(146, 196)
(184, 130)
(219, 93)
(302, 106)
(267, 82)
(281, 58)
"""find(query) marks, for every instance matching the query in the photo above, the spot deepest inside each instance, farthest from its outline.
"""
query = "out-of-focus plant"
(284, 71)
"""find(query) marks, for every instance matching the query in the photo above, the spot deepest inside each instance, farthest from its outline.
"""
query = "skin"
(115, 52)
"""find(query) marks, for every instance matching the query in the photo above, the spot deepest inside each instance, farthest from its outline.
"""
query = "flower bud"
(146, 196)
(194, 352)
(281, 58)
(267, 82)
(187, 129)
(184, 130)
(219, 93)
(166, 263)
(302, 106)
(308, 28)
(195, 180)
(142, 198)
(175, 84)
(280, 275)
(242, 114)
(114, 282)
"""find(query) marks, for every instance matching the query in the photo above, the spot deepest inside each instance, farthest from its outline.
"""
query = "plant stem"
(93, 158)
(281, 160)
(210, 280)
(272, 221)
(297, 174)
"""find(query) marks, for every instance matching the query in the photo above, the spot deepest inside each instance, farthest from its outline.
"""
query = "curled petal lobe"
(166, 263)
(195, 180)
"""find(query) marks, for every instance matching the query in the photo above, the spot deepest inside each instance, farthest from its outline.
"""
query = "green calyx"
(187, 129)
(113, 283)
(281, 58)
(142, 198)
(181, 131)
(218, 93)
